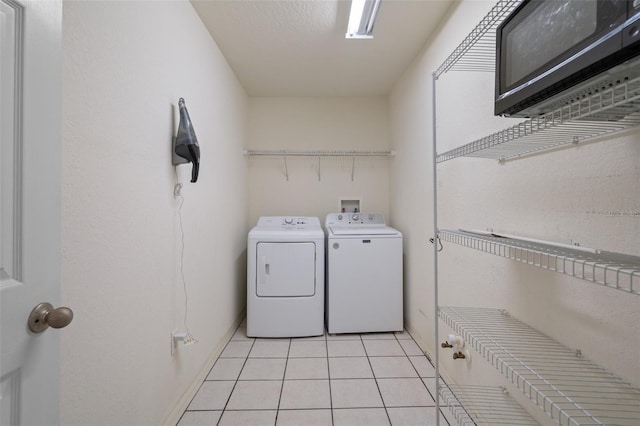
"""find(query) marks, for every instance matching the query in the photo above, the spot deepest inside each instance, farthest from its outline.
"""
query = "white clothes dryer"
(285, 277)
(364, 274)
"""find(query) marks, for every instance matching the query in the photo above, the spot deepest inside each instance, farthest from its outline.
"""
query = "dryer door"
(286, 269)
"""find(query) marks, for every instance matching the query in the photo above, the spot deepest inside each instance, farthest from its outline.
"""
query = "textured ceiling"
(298, 48)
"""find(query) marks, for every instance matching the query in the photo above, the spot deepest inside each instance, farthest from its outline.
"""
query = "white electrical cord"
(189, 339)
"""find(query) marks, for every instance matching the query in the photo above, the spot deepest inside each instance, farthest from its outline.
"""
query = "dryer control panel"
(288, 221)
(354, 219)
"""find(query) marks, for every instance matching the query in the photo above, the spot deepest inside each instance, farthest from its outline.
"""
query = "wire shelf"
(284, 154)
(477, 52)
(614, 270)
(484, 405)
(567, 387)
(610, 110)
(288, 153)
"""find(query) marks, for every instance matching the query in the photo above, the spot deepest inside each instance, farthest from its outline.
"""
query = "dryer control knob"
(339, 217)
(288, 220)
(370, 217)
(355, 217)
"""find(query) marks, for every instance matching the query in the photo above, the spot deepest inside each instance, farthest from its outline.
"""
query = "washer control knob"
(339, 217)
(370, 217)
(288, 220)
(355, 217)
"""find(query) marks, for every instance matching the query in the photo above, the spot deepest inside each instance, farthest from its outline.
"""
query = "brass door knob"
(44, 316)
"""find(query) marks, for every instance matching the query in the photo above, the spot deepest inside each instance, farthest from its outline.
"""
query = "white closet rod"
(287, 153)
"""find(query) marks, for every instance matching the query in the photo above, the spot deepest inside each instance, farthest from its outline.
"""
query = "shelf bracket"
(286, 169)
(353, 167)
(318, 168)
(440, 246)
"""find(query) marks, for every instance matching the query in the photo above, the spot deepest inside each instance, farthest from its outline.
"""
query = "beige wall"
(125, 66)
(345, 124)
(585, 194)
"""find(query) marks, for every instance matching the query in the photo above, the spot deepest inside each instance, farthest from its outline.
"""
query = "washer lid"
(363, 230)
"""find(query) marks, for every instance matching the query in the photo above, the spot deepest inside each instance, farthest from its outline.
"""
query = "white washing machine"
(364, 274)
(285, 277)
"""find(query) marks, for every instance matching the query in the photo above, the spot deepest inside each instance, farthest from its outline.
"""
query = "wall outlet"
(181, 338)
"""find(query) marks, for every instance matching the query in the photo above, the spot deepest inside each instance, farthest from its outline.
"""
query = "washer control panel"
(354, 219)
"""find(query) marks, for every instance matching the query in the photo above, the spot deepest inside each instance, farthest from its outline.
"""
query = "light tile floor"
(331, 380)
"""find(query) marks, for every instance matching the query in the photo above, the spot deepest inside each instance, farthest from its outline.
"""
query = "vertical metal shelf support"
(434, 178)
(497, 13)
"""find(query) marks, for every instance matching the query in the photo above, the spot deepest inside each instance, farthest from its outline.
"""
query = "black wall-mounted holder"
(185, 143)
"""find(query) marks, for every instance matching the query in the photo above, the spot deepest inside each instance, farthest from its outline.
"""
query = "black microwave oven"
(550, 53)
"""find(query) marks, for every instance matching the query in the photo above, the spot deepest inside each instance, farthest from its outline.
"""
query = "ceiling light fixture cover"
(362, 18)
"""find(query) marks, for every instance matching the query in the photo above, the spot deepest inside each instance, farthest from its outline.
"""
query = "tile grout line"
(236, 381)
(284, 373)
(376, 380)
(326, 348)
(409, 359)
(437, 413)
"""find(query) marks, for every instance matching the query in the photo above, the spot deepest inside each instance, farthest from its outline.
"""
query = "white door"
(286, 269)
(30, 150)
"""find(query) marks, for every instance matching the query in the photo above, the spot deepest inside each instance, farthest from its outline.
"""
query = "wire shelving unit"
(614, 270)
(567, 387)
(484, 406)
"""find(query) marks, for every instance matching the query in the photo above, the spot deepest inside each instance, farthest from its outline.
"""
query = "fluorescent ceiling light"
(362, 18)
